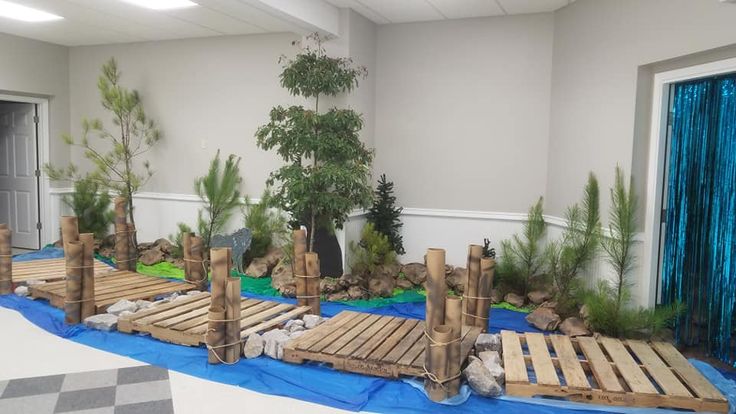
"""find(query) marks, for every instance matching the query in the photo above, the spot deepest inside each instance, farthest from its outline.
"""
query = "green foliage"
(522, 257)
(178, 246)
(268, 227)
(327, 167)
(220, 193)
(570, 255)
(385, 216)
(115, 166)
(373, 250)
(91, 206)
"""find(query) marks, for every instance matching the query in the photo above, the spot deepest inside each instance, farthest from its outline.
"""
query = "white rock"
(193, 292)
(296, 334)
(103, 322)
(492, 361)
(296, 328)
(253, 347)
(22, 291)
(34, 282)
(480, 379)
(488, 342)
(124, 313)
(179, 297)
(143, 304)
(292, 323)
(170, 297)
(310, 321)
(274, 343)
(121, 306)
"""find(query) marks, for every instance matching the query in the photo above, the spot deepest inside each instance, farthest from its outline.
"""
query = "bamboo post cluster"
(485, 285)
(194, 268)
(73, 298)
(306, 273)
(454, 320)
(6, 260)
(477, 297)
(223, 327)
(126, 253)
(88, 275)
(79, 253)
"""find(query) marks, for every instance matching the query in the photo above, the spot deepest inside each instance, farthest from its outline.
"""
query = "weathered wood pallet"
(112, 288)
(184, 321)
(50, 270)
(605, 371)
(383, 346)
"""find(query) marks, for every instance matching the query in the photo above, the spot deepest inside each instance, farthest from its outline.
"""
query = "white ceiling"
(89, 22)
(404, 11)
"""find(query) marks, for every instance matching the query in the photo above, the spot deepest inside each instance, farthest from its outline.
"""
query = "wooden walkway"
(184, 321)
(113, 287)
(49, 270)
(606, 371)
(377, 345)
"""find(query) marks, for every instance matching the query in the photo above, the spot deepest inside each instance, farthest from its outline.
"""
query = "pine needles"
(385, 216)
(268, 227)
(91, 206)
(521, 257)
(220, 193)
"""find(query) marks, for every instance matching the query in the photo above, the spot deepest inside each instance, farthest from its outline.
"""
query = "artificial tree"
(326, 168)
(115, 166)
(385, 216)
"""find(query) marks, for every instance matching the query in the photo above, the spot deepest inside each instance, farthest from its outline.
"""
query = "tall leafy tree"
(117, 151)
(327, 168)
(220, 193)
(385, 216)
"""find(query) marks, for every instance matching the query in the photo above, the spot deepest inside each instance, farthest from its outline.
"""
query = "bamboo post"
(232, 315)
(186, 247)
(485, 284)
(69, 230)
(300, 266)
(121, 234)
(436, 368)
(471, 288)
(132, 248)
(88, 275)
(73, 299)
(6, 260)
(197, 271)
(215, 337)
(313, 286)
(220, 272)
(454, 319)
(436, 289)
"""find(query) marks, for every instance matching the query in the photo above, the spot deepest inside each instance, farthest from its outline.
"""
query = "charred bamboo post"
(220, 272)
(197, 270)
(88, 275)
(215, 338)
(73, 298)
(6, 260)
(471, 289)
(69, 230)
(454, 319)
(313, 284)
(437, 364)
(132, 248)
(121, 234)
(485, 284)
(232, 315)
(300, 267)
(186, 246)
(436, 289)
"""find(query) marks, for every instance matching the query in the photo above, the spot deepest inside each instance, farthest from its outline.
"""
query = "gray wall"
(599, 46)
(30, 67)
(462, 111)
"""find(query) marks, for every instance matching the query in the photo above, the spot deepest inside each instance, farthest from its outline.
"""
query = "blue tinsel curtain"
(699, 267)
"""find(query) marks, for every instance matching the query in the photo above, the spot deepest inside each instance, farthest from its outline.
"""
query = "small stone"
(193, 292)
(514, 299)
(338, 297)
(544, 319)
(488, 342)
(22, 291)
(356, 292)
(253, 347)
(125, 313)
(457, 279)
(492, 361)
(404, 284)
(329, 285)
(574, 326)
(382, 286)
(538, 297)
(549, 304)
(274, 343)
(293, 322)
(257, 268)
(480, 379)
(151, 257)
(495, 296)
(347, 280)
(295, 328)
(296, 334)
(170, 297)
(143, 304)
(310, 321)
(121, 306)
(104, 322)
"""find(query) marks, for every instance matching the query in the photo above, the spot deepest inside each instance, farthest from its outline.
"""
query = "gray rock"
(103, 322)
(310, 321)
(350, 279)
(329, 285)
(544, 318)
(152, 256)
(274, 343)
(404, 284)
(125, 313)
(193, 292)
(143, 304)
(356, 292)
(121, 306)
(538, 297)
(488, 342)
(514, 299)
(170, 297)
(416, 273)
(282, 278)
(296, 334)
(253, 347)
(257, 268)
(457, 279)
(293, 322)
(495, 296)
(382, 286)
(480, 379)
(574, 326)
(338, 297)
(22, 291)
(492, 361)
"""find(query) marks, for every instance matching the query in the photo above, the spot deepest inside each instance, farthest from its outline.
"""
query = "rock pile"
(484, 372)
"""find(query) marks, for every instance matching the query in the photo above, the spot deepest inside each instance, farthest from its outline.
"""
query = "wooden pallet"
(184, 321)
(49, 270)
(606, 371)
(113, 287)
(377, 345)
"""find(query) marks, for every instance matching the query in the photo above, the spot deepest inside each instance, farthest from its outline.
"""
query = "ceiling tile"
(403, 11)
(360, 8)
(454, 9)
(215, 21)
(531, 6)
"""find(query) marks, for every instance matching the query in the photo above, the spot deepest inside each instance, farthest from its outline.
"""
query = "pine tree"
(385, 216)
(219, 191)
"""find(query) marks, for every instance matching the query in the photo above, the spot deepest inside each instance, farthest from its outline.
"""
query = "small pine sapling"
(92, 206)
(268, 227)
(385, 216)
(220, 193)
(177, 250)
(373, 250)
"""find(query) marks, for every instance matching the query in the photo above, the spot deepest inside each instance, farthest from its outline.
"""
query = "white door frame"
(657, 147)
(44, 196)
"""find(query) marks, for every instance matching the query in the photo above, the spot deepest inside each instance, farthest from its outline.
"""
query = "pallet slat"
(541, 360)
(629, 369)
(599, 365)
(513, 358)
(657, 369)
(689, 374)
(50, 270)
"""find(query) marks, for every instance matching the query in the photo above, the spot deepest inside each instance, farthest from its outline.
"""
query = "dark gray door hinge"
(37, 173)
(39, 226)
(35, 119)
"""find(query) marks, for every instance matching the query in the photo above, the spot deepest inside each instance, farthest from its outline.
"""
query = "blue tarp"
(312, 382)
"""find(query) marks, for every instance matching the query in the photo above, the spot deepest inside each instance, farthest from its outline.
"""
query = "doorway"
(20, 172)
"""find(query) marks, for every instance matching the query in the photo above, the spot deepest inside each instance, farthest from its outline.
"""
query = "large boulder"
(488, 342)
(121, 306)
(273, 256)
(457, 279)
(282, 278)
(404, 284)
(544, 319)
(103, 322)
(574, 326)
(538, 297)
(356, 292)
(164, 245)
(274, 341)
(382, 285)
(329, 285)
(416, 273)
(310, 321)
(480, 379)
(257, 268)
(492, 361)
(151, 256)
(253, 347)
(514, 299)
(347, 280)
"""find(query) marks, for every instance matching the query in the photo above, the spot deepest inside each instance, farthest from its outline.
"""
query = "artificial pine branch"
(385, 216)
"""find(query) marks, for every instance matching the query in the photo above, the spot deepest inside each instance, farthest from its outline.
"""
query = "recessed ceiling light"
(162, 4)
(24, 13)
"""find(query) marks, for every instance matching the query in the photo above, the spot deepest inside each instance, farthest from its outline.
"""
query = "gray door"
(18, 166)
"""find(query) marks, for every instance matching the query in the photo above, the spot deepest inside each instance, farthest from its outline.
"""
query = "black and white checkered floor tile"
(140, 390)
